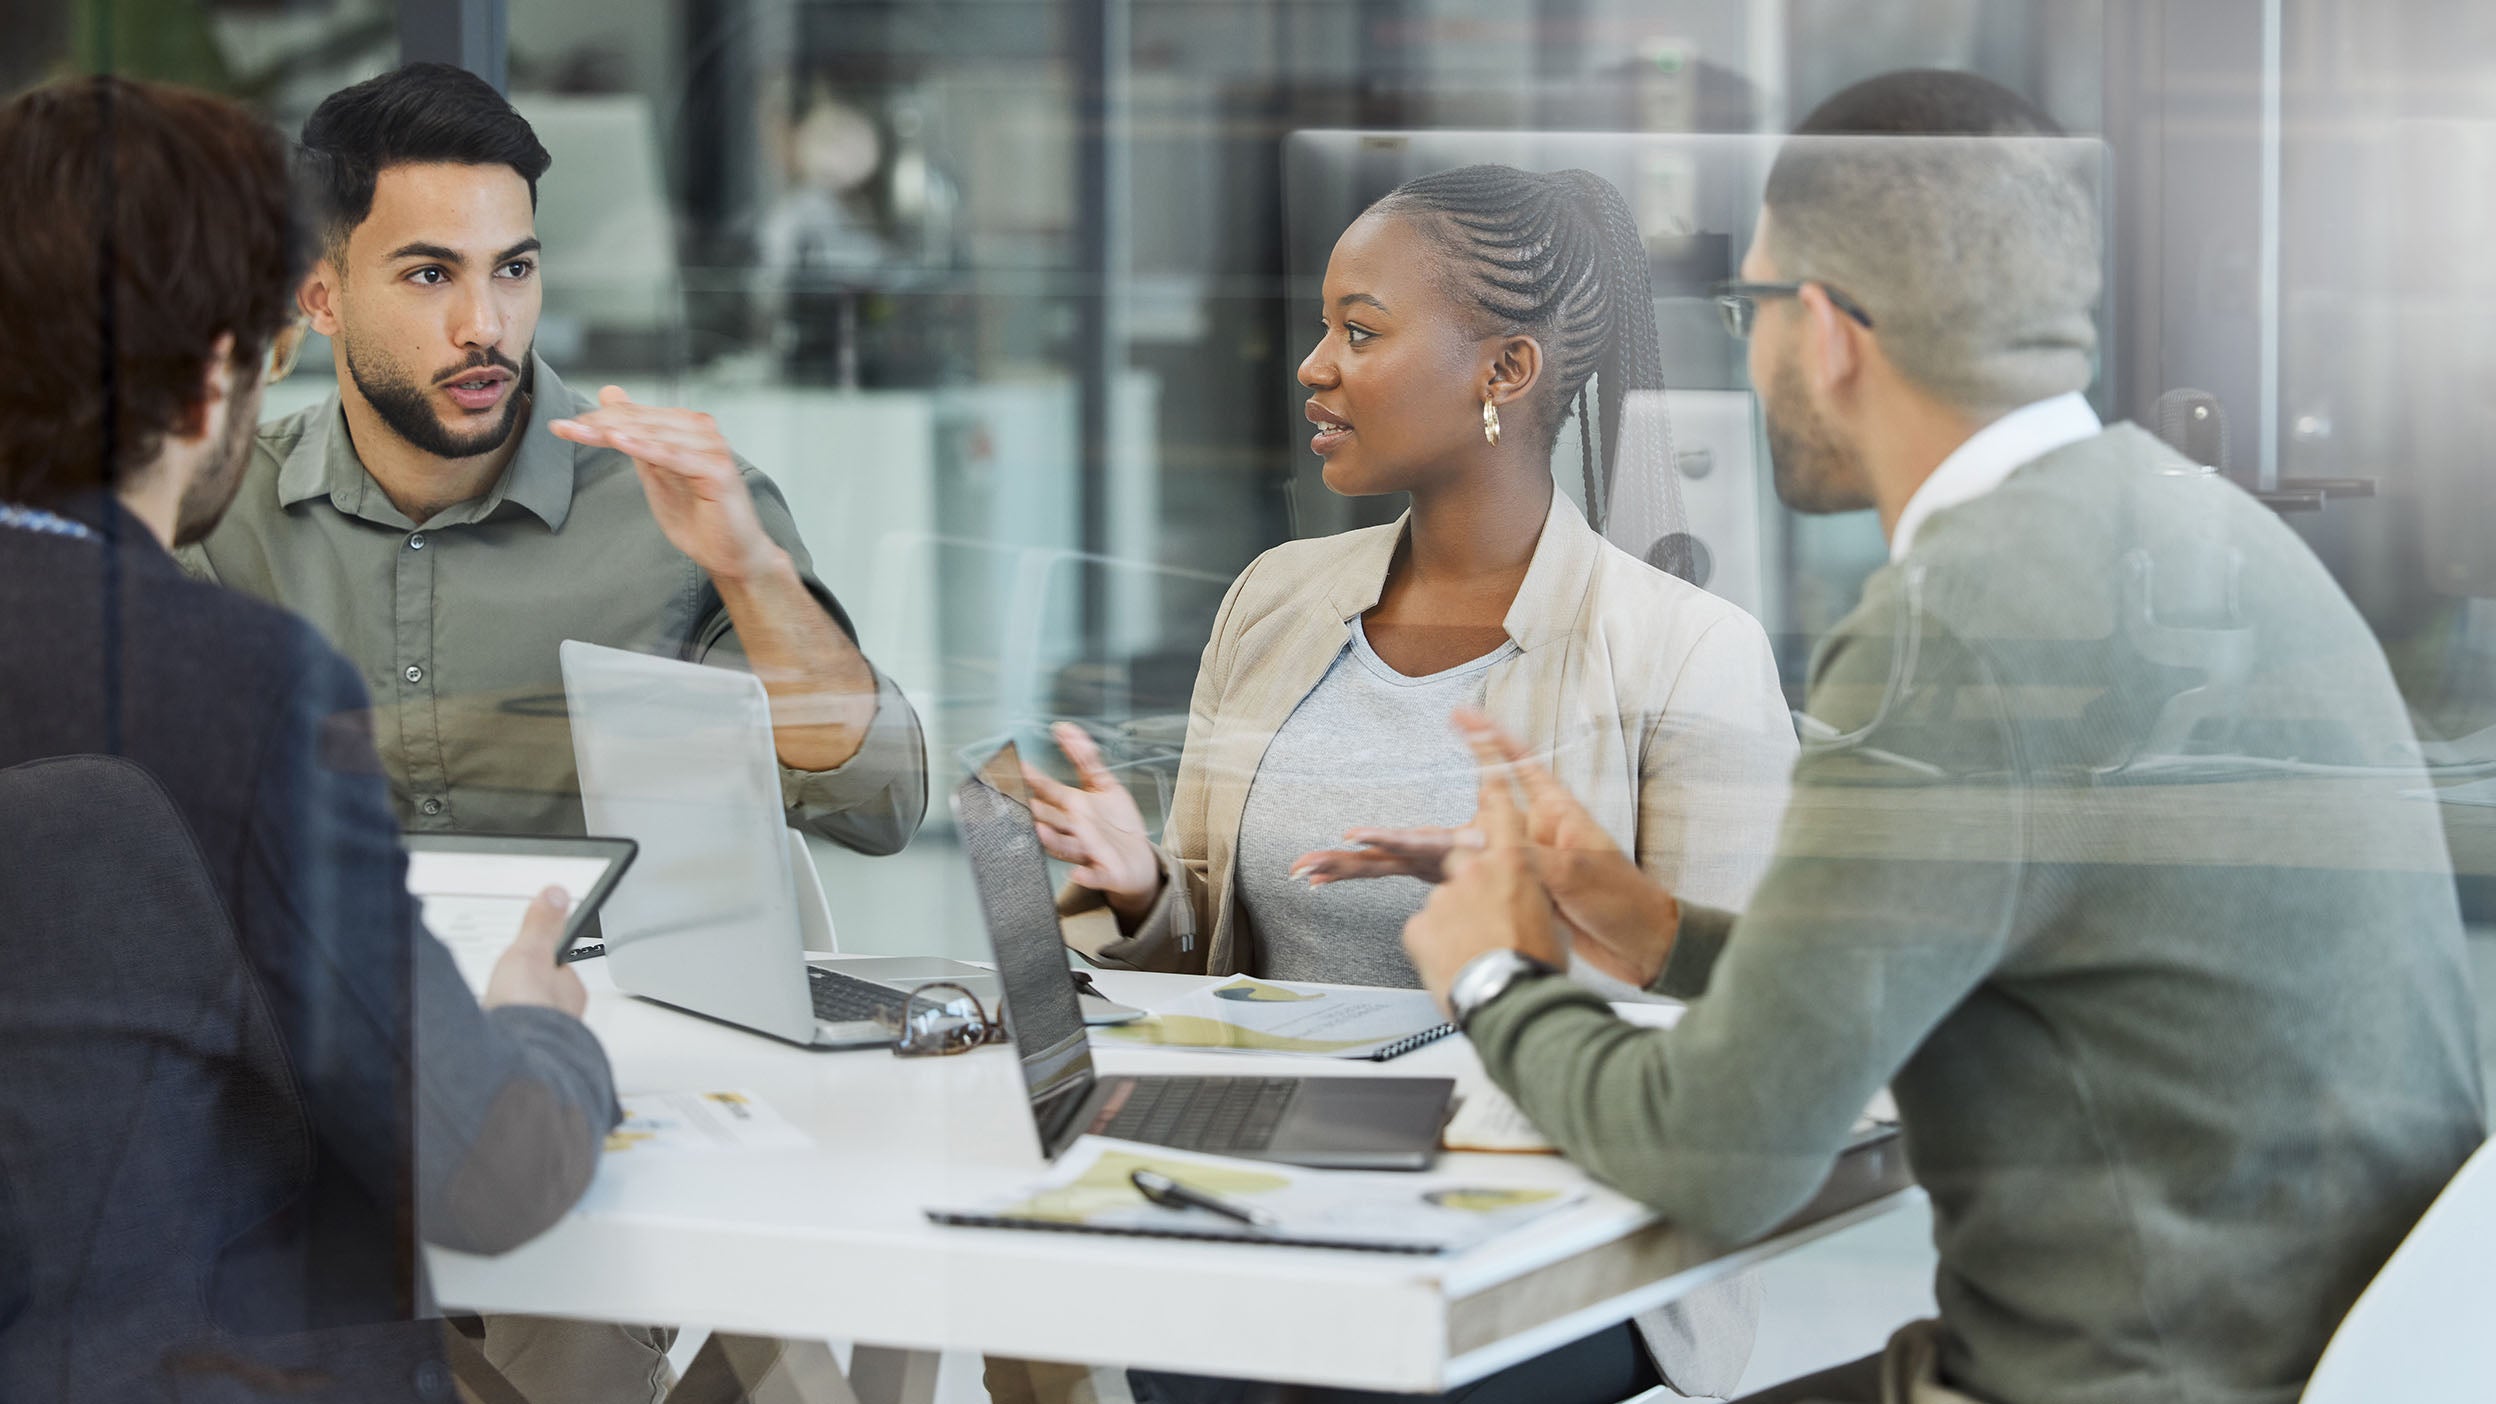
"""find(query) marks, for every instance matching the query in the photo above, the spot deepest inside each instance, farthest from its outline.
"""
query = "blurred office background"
(1008, 295)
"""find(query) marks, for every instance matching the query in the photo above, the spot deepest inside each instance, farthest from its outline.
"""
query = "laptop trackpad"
(1364, 1121)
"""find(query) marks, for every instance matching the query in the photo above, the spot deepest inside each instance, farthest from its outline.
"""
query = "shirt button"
(415, 674)
(431, 806)
(416, 542)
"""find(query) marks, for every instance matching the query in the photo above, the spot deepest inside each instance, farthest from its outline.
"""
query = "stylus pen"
(1170, 1194)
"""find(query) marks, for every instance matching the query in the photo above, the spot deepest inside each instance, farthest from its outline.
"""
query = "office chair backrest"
(144, 1079)
(2420, 1332)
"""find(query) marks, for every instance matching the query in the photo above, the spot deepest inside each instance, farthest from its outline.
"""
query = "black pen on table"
(1170, 1194)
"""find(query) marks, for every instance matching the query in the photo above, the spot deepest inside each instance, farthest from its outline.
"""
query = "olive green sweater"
(2108, 870)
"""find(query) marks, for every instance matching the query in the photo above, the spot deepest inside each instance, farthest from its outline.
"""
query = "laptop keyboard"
(846, 999)
(1201, 1113)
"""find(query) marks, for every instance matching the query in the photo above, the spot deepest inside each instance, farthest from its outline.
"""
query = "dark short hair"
(1972, 242)
(1934, 102)
(421, 113)
(138, 223)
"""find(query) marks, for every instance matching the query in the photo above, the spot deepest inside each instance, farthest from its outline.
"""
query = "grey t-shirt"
(1367, 747)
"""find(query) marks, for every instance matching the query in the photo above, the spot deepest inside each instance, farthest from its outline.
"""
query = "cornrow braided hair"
(1558, 257)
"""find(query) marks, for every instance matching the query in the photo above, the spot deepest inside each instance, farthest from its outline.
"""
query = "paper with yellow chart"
(1089, 1191)
(1268, 1016)
(657, 1123)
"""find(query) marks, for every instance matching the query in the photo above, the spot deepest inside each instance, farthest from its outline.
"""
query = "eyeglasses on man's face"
(1738, 303)
(285, 349)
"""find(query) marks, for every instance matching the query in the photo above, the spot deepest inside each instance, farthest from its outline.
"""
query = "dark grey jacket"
(2107, 863)
(248, 1112)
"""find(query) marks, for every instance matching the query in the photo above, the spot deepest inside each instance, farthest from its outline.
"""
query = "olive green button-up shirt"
(454, 622)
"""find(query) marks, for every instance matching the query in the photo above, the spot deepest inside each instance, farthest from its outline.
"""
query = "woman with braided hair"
(1467, 317)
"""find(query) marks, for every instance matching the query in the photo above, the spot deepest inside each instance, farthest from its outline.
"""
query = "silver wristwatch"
(1488, 976)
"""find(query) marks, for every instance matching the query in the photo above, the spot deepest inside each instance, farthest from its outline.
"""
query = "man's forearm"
(822, 688)
(1612, 1097)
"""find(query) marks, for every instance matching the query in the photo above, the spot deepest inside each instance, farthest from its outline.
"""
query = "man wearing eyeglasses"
(2099, 853)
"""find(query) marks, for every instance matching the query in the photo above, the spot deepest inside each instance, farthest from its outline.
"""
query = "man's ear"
(317, 296)
(1831, 350)
(216, 389)
(1516, 364)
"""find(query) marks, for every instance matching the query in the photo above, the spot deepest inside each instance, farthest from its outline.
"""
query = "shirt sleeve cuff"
(891, 753)
(1695, 947)
(1164, 939)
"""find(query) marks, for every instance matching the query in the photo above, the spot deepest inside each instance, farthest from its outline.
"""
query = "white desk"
(830, 1242)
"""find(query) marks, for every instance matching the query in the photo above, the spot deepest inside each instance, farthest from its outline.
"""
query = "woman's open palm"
(1096, 827)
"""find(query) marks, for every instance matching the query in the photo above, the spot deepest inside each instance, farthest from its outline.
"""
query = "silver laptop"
(719, 913)
(1353, 1122)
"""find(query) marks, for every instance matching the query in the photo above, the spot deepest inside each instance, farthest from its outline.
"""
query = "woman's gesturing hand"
(1097, 827)
(1618, 917)
(1413, 853)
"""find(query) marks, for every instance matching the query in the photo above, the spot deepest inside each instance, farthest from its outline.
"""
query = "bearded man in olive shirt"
(456, 512)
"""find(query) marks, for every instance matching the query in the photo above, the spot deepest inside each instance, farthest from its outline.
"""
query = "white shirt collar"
(1992, 454)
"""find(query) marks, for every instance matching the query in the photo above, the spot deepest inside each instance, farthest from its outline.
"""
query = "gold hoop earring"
(1490, 422)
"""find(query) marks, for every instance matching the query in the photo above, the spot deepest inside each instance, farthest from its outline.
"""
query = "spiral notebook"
(1248, 1015)
(1089, 1191)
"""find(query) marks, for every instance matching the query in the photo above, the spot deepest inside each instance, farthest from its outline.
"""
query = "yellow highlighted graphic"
(1481, 1200)
(1247, 991)
(1193, 1031)
(1105, 1188)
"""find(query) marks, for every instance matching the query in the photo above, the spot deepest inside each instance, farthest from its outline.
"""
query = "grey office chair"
(149, 1123)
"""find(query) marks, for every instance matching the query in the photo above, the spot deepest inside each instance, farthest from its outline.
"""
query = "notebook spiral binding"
(1410, 1042)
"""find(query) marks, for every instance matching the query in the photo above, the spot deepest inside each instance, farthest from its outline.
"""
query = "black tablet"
(476, 887)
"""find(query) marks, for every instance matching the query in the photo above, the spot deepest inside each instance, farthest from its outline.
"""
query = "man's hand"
(1620, 919)
(1414, 853)
(823, 694)
(696, 492)
(527, 973)
(1097, 828)
(1492, 899)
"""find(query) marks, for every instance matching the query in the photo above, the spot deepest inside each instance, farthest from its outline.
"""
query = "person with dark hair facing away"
(212, 1181)
(1467, 315)
(455, 512)
(2102, 857)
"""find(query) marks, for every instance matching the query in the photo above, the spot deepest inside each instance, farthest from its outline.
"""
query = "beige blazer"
(1655, 702)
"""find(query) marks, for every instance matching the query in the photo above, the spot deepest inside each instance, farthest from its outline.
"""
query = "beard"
(221, 476)
(1814, 471)
(401, 402)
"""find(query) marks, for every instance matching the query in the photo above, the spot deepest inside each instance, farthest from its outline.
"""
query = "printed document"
(1267, 1016)
(1089, 1190)
(657, 1123)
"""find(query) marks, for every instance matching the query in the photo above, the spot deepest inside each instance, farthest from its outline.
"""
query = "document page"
(1267, 1016)
(1090, 1189)
(658, 1123)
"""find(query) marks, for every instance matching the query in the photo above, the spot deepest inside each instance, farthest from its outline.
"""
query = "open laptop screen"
(1011, 873)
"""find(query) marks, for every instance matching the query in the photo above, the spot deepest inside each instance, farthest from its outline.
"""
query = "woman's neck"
(1485, 525)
